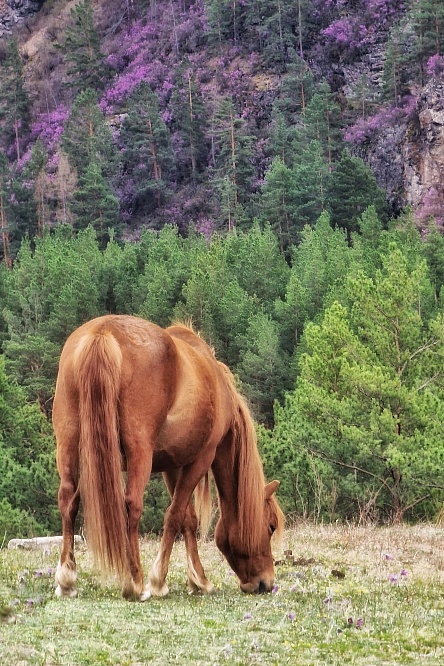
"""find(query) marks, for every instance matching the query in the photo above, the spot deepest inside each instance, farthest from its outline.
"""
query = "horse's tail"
(203, 504)
(97, 366)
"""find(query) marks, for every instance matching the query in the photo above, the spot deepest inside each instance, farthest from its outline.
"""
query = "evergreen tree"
(232, 148)
(351, 189)
(397, 71)
(87, 69)
(428, 24)
(277, 201)
(321, 123)
(35, 171)
(368, 401)
(14, 101)
(263, 368)
(5, 217)
(148, 157)
(296, 88)
(190, 124)
(321, 263)
(309, 177)
(94, 204)
(258, 264)
(28, 477)
(87, 138)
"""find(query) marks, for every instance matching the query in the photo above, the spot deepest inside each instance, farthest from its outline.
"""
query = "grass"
(345, 595)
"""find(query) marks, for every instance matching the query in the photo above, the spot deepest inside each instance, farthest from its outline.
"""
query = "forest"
(195, 162)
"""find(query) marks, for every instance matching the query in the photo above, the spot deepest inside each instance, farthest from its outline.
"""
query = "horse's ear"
(271, 488)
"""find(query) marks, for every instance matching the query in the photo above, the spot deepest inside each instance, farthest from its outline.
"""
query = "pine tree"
(397, 72)
(277, 201)
(94, 204)
(148, 156)
(87, 138)
(190, 123)
(14, 100)
(4, 212)
(82, 50)
(351, 189)
(321, 123)
(232, 161)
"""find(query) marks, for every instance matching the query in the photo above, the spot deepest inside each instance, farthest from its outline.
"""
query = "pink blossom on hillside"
(49, 127)
(435, 65)
(365, 128)
(432, 207)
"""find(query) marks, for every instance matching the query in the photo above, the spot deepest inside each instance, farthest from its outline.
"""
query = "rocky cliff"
(13, 12)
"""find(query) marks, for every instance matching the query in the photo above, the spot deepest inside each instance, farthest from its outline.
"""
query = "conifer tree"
(14, 100)
(189, 122)
(232, 160)
(82, 50)
(428, 24)
(87, 137)
(4, 212)
(148, 156)
(351, 189)
(94, 204)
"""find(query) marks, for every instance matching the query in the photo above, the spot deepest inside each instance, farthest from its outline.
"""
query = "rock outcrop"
(13, 12)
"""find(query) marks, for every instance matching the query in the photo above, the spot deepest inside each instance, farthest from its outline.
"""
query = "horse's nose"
(265, 586)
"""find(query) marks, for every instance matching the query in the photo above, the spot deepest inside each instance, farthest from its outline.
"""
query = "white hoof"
(146, 594)
(159, 591)
(60, 592)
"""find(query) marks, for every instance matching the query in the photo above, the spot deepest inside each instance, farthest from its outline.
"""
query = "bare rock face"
(13, 12)
(424, 147)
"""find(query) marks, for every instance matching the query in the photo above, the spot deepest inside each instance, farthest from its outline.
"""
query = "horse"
(134, 398)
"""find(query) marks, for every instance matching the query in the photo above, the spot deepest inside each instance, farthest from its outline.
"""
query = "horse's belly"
(183, 439)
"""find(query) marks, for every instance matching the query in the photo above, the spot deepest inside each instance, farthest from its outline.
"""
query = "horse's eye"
(272, 529)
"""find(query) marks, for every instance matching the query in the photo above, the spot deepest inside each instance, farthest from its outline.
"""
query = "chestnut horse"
(131, 396)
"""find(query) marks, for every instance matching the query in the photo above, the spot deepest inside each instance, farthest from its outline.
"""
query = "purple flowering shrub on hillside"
(360, 31)
(365, 128)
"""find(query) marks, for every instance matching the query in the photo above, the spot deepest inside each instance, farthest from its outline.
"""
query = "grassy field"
(344, 595)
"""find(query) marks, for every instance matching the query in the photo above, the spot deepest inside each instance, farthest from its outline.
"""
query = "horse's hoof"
(208, 588)
(159, 591)
(65, 592)
(145, 594)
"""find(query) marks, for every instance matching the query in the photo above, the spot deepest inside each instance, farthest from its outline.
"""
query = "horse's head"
(252, 565)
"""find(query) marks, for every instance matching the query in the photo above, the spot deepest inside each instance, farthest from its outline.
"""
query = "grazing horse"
(134, 397)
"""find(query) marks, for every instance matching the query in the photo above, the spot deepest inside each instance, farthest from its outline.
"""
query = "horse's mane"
(250, 475)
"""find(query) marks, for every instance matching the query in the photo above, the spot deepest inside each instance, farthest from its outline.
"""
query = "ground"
(343, 595)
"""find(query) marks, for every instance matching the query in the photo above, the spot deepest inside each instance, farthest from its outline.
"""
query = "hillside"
(214, 113)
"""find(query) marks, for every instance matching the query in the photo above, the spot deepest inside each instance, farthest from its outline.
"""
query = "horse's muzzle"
(260, 587)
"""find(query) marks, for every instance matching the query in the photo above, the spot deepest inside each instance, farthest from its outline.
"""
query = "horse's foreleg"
(68, 499)
(197, 581)
(187, 479)
(138, 474)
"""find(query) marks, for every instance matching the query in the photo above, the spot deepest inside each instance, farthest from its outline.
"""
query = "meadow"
(343, 595)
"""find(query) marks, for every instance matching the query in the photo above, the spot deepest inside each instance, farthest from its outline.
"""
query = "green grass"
(383, 604)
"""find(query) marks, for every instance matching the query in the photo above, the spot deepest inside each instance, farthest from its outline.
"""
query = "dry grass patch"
(344, 595)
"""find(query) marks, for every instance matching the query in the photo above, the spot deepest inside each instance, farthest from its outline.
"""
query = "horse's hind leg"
(197, 581)
(68, 498)
(138, 461)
